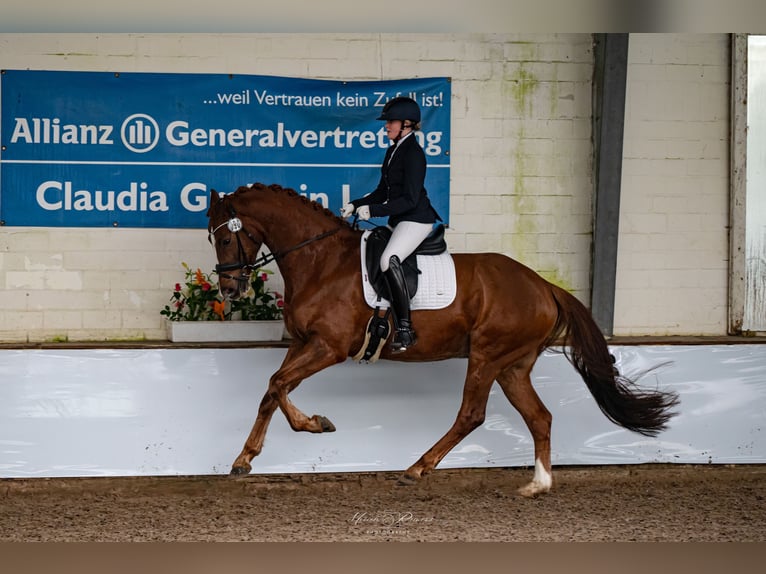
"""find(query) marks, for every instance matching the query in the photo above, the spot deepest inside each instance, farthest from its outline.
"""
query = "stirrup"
(375, 337)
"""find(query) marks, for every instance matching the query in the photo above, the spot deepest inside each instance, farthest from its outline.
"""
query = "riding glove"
(363, 212)
(347, 210)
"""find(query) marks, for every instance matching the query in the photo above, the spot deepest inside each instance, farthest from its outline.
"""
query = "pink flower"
(178, 287)
(280, 303)
(264, 277)
(206, 286)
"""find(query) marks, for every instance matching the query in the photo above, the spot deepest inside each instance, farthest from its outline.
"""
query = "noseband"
(234, 224)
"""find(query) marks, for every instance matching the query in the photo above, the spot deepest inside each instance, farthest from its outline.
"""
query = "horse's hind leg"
(478, 382)
(517, 386)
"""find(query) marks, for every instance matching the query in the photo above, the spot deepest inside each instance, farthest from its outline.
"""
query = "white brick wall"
(672, 265)
(521, 168)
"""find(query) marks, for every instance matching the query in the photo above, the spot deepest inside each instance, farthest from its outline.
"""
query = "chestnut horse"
(504, 315)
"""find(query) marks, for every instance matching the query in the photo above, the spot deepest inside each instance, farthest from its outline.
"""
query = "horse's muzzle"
(231, 286)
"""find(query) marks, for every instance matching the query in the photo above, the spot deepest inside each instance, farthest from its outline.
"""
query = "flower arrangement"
(199, 299)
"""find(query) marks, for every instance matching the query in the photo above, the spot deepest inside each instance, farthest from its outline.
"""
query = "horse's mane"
(292, 195)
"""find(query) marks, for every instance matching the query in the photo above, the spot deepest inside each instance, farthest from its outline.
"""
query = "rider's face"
(393, 129)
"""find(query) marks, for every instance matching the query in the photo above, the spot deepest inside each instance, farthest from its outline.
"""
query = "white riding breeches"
(406, 236)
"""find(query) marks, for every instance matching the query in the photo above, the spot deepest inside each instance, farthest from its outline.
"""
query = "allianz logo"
(139, 133)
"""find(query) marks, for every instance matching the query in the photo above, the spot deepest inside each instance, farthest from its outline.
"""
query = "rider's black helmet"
(401, 108)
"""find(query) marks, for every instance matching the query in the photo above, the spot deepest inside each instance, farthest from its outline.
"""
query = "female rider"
(401, 196)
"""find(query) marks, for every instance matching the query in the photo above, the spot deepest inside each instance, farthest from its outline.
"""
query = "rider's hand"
(347, 210)
(364, 212)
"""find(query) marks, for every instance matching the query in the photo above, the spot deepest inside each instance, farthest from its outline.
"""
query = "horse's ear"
(215, 198)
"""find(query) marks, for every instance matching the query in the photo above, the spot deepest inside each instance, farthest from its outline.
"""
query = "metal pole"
(610, 77)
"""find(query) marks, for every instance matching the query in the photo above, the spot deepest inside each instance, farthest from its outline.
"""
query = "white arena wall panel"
(162, 411)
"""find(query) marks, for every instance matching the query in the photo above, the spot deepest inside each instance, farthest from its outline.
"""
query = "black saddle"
(377, 240)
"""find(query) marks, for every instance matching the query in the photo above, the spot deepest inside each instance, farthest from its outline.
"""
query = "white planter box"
(224, 331)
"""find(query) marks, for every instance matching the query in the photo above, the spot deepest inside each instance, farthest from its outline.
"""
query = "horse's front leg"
(302, 361)
(254, 442)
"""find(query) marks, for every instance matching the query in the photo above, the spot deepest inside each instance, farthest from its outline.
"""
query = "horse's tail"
(645, 412)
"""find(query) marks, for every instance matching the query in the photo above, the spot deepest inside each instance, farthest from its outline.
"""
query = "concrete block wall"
(521, 150)
(672, 265)
(521, 169)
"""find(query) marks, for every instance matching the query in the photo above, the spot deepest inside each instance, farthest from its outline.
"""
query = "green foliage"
(199, 299)
(259, 303)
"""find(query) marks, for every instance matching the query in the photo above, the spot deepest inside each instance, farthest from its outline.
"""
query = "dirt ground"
(611, 503)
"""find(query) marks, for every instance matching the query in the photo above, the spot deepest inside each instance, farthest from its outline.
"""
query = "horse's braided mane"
(291, 193)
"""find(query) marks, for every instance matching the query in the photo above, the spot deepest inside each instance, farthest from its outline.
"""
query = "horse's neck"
(287, 227)
(305, 268)
(284, 228)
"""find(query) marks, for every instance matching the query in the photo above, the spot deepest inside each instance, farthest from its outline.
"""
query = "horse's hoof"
(325, 424)
(407, 480)
(239, 470)
(532, 490)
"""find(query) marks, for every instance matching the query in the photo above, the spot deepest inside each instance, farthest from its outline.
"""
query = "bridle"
(234, 224)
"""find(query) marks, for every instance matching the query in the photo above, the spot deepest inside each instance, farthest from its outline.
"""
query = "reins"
(234, 224)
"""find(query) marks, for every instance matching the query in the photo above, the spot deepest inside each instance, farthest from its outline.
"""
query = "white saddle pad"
(437, 285)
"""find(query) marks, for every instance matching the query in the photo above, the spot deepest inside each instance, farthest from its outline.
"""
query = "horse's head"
(236, 248)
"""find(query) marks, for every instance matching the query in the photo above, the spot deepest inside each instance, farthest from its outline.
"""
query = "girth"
(376, 243)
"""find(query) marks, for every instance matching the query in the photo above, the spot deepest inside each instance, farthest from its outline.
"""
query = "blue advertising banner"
(95, 149)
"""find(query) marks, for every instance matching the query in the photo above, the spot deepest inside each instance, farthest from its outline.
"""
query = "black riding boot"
(404, 337)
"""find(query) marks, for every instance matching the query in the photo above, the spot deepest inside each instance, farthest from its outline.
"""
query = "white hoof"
(541, 483)
(533, 489)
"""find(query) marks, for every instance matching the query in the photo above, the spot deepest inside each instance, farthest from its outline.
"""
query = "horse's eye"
(226, 241)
